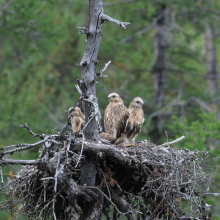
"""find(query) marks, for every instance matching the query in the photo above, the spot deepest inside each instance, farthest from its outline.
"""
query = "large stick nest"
(152, 182)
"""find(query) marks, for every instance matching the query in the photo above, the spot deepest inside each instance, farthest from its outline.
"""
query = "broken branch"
(108, 18)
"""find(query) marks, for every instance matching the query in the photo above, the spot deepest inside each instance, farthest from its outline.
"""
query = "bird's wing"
(82, 123)
(107, 136)
(107, 119)
(138, 119)
(76, 125)
(122, 124)
(112, 116)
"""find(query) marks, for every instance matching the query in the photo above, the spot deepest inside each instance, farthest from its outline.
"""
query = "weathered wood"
(88, 64)
(124, 206)
(88, 92)
(89, 169)
(147, 178)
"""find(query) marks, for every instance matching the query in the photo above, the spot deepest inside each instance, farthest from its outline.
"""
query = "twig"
(47, 178)
(172, 142)
(137, 197)
(107, 187)
(81, 149)
(121, 213)
(28, 146)
(45, 192)
(83, 30)
(19, 145)
(68, 146)
(2, 180)
(103, 69)
(4, 161)
(31, 132)
(78, 89)
(167, 138)
(55, 178)
(108, 18)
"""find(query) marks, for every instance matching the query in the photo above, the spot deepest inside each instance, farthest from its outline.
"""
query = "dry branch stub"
(143, 181)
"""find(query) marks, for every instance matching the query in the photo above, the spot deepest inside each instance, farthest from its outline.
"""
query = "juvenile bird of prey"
(113, 113)
(129, 125)
(78, 119)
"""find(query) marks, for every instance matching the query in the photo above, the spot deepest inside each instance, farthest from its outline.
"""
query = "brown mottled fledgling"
(78, 119)
(113, 113)
(129, 125)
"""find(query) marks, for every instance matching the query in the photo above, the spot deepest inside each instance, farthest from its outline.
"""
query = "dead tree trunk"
(87, 85)
(88, 174)
(210, 59)
(159, 74)
(87, 65)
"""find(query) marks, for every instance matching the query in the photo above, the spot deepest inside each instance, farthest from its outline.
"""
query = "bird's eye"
(137, 102)
(113, 96)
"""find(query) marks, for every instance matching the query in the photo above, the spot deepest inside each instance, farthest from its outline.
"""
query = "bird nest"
(140, 182)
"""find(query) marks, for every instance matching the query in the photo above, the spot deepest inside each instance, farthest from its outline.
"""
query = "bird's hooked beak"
(108, 97)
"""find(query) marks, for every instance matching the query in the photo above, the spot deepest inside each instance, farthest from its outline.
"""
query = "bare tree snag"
(88, 90)
(210, 59)
(88, 64)
(159, 74)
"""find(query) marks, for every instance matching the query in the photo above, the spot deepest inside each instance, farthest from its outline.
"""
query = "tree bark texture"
(89, 169)
(159, 74)
(87, 85)
(88, 64)
(210, 58)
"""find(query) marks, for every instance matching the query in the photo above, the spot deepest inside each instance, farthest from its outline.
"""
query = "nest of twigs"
(156, 183)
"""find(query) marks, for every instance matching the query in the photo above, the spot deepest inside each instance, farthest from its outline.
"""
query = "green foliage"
(40, 48)
(200, 133)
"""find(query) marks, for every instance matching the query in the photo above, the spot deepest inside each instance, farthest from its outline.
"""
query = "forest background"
(40, 48)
